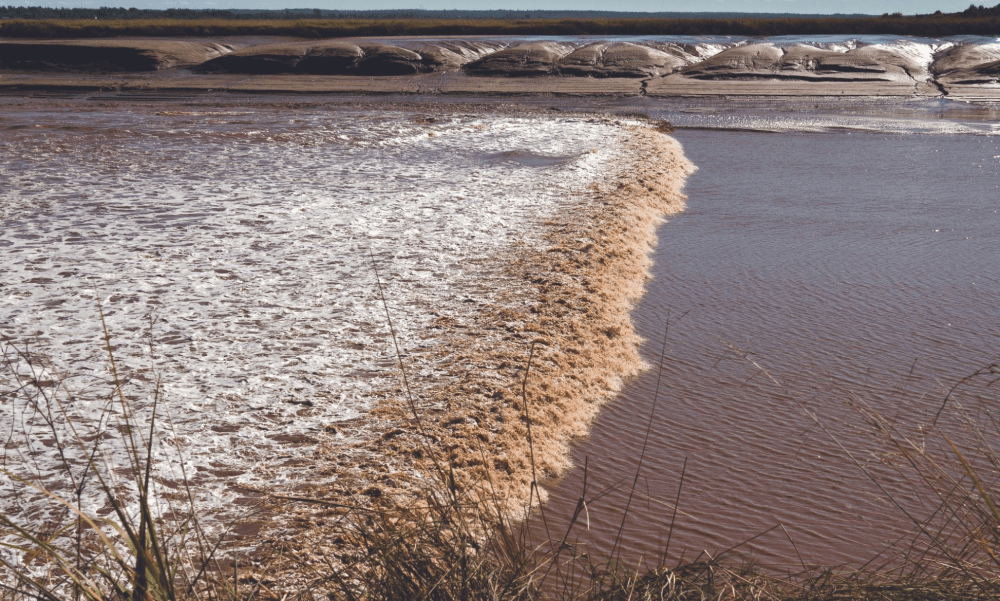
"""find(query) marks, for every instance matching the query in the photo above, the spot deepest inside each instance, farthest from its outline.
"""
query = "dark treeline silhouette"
(22, 22)
(40, 12)
(106, 12)
(981, 11)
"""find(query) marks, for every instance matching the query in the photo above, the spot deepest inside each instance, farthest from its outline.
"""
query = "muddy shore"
(496, 68)
(577, 327)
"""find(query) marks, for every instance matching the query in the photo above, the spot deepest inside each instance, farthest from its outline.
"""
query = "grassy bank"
(927, 26)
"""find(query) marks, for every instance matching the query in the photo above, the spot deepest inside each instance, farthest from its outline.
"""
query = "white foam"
(843, 47)
(708, 50)
(239, 245)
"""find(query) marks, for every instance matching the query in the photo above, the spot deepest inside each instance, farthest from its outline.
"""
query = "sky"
(875, 7)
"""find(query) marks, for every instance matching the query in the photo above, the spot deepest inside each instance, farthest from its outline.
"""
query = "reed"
(454, 546)
(448, 543)
(952, 466)
(128, 550)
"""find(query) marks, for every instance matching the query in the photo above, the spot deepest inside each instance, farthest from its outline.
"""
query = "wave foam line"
(571, 296)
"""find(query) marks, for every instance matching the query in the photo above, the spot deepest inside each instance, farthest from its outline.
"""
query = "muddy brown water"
(850, 265)
(854, 268)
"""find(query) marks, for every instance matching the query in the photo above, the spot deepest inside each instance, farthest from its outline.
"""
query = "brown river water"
(852, 267)
(855, 262)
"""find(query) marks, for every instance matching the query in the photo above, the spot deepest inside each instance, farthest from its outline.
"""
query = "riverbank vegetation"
(986, 22)
(448, 543)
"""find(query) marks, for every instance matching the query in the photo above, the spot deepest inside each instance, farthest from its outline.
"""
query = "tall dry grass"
(454, 543)
(952, 469)
(139, 545)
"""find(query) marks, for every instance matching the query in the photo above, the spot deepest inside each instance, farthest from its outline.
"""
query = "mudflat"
(119, 55)
(503, 67)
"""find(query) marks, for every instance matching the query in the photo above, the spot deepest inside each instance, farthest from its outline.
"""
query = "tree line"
(105, 12)
(119, 13)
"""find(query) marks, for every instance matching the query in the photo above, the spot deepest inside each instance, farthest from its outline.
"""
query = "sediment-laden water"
(233, 250)
(847, 247)
(858, 268)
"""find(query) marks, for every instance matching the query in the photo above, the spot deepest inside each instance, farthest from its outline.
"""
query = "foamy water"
(247, 235)
(232, 252)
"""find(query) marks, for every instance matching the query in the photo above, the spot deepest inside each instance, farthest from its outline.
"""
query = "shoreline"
(504, 67)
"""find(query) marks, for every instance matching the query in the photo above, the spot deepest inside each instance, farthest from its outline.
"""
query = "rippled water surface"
(855, 268)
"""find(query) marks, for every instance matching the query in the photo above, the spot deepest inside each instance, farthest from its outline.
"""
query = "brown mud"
(335, 57)
(808, 63)
(624, 59)
(105, 55)
(969, 65)
(489, 67)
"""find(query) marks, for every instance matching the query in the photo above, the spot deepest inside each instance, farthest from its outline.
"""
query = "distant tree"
(981, 11)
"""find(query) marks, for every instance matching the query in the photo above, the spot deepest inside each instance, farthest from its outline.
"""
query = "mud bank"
(508, 67)
(346, 58)
(968, 70)
(106, 55)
